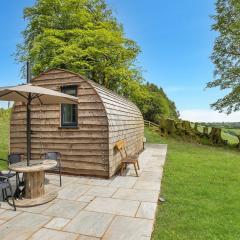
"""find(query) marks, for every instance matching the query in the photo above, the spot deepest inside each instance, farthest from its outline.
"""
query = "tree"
(78, 35)
(152, 101)
(84, 37)
(226, 54)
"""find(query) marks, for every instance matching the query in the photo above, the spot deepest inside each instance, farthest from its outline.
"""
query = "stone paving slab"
(90, 223)
(150, 176)
(57, 223)
(86, 198)
(88, 208)
(8, 214)
(99, 182)
(123, 182)
(147, 185)
(22, 226)
(37, 209)
(2, 221)
(147, 210)
(83, 237)
(99, 191)
(2, 210)
(73, 191)
(64, 208)
(49, 234)
(137, 195)
(129, 228)
(114, 206)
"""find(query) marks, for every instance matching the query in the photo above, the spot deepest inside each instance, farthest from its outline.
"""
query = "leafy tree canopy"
(79, 35)
(226, 54)
(84, 37)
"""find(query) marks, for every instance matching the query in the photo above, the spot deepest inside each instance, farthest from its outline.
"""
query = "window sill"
(68, 127)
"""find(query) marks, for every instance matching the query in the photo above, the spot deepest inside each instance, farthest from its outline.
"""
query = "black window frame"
(75, 124)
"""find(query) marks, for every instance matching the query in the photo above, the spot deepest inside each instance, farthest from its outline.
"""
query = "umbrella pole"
(28, 117)
(28, 130)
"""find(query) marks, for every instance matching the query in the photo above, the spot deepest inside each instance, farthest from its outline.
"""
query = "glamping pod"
(85, 133)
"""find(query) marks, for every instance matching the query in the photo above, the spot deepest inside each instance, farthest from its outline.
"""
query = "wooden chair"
(127, 159)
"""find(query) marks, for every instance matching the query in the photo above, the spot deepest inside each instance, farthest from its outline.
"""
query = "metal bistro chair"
(12, 158)
(57, 157)
(4, 185)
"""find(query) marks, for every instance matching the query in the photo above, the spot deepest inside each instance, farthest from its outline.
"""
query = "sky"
(176, 42)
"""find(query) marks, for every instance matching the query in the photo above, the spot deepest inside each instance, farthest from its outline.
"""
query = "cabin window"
(69, 112)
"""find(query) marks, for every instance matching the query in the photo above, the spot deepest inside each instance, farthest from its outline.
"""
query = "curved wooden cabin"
(87, 148)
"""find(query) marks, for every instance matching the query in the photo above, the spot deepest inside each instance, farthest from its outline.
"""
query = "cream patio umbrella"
(30, 94)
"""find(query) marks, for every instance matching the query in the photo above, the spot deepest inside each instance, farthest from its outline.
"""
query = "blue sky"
(175, 38)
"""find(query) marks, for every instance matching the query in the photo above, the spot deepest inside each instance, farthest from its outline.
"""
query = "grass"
(234, 130)
(201, 188)
(4, 137)
(232, 140)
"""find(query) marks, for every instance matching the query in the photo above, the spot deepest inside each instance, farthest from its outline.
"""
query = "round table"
(34, 177)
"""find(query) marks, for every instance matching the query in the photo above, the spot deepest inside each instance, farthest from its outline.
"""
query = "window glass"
(69, 111)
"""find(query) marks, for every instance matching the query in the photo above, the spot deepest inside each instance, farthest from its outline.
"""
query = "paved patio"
(121, 208)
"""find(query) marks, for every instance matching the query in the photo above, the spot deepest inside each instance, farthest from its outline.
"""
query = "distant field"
(233, 130)
(227, 134)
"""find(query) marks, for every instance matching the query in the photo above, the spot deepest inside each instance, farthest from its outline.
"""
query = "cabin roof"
(102, 91)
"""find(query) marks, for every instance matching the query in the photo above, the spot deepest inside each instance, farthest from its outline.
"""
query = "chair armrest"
(5, 178)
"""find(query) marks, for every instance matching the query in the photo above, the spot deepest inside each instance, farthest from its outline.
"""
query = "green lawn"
(201, 188)
(4, 137)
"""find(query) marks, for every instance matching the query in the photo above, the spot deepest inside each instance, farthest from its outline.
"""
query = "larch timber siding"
(103, 119)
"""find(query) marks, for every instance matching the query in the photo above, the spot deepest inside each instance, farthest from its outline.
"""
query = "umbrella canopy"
(30, 94)
(38, 95)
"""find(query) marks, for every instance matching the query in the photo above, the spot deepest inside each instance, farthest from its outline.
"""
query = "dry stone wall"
(190, 131)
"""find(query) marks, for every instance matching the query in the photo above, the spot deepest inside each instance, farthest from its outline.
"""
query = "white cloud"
(204, 115)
